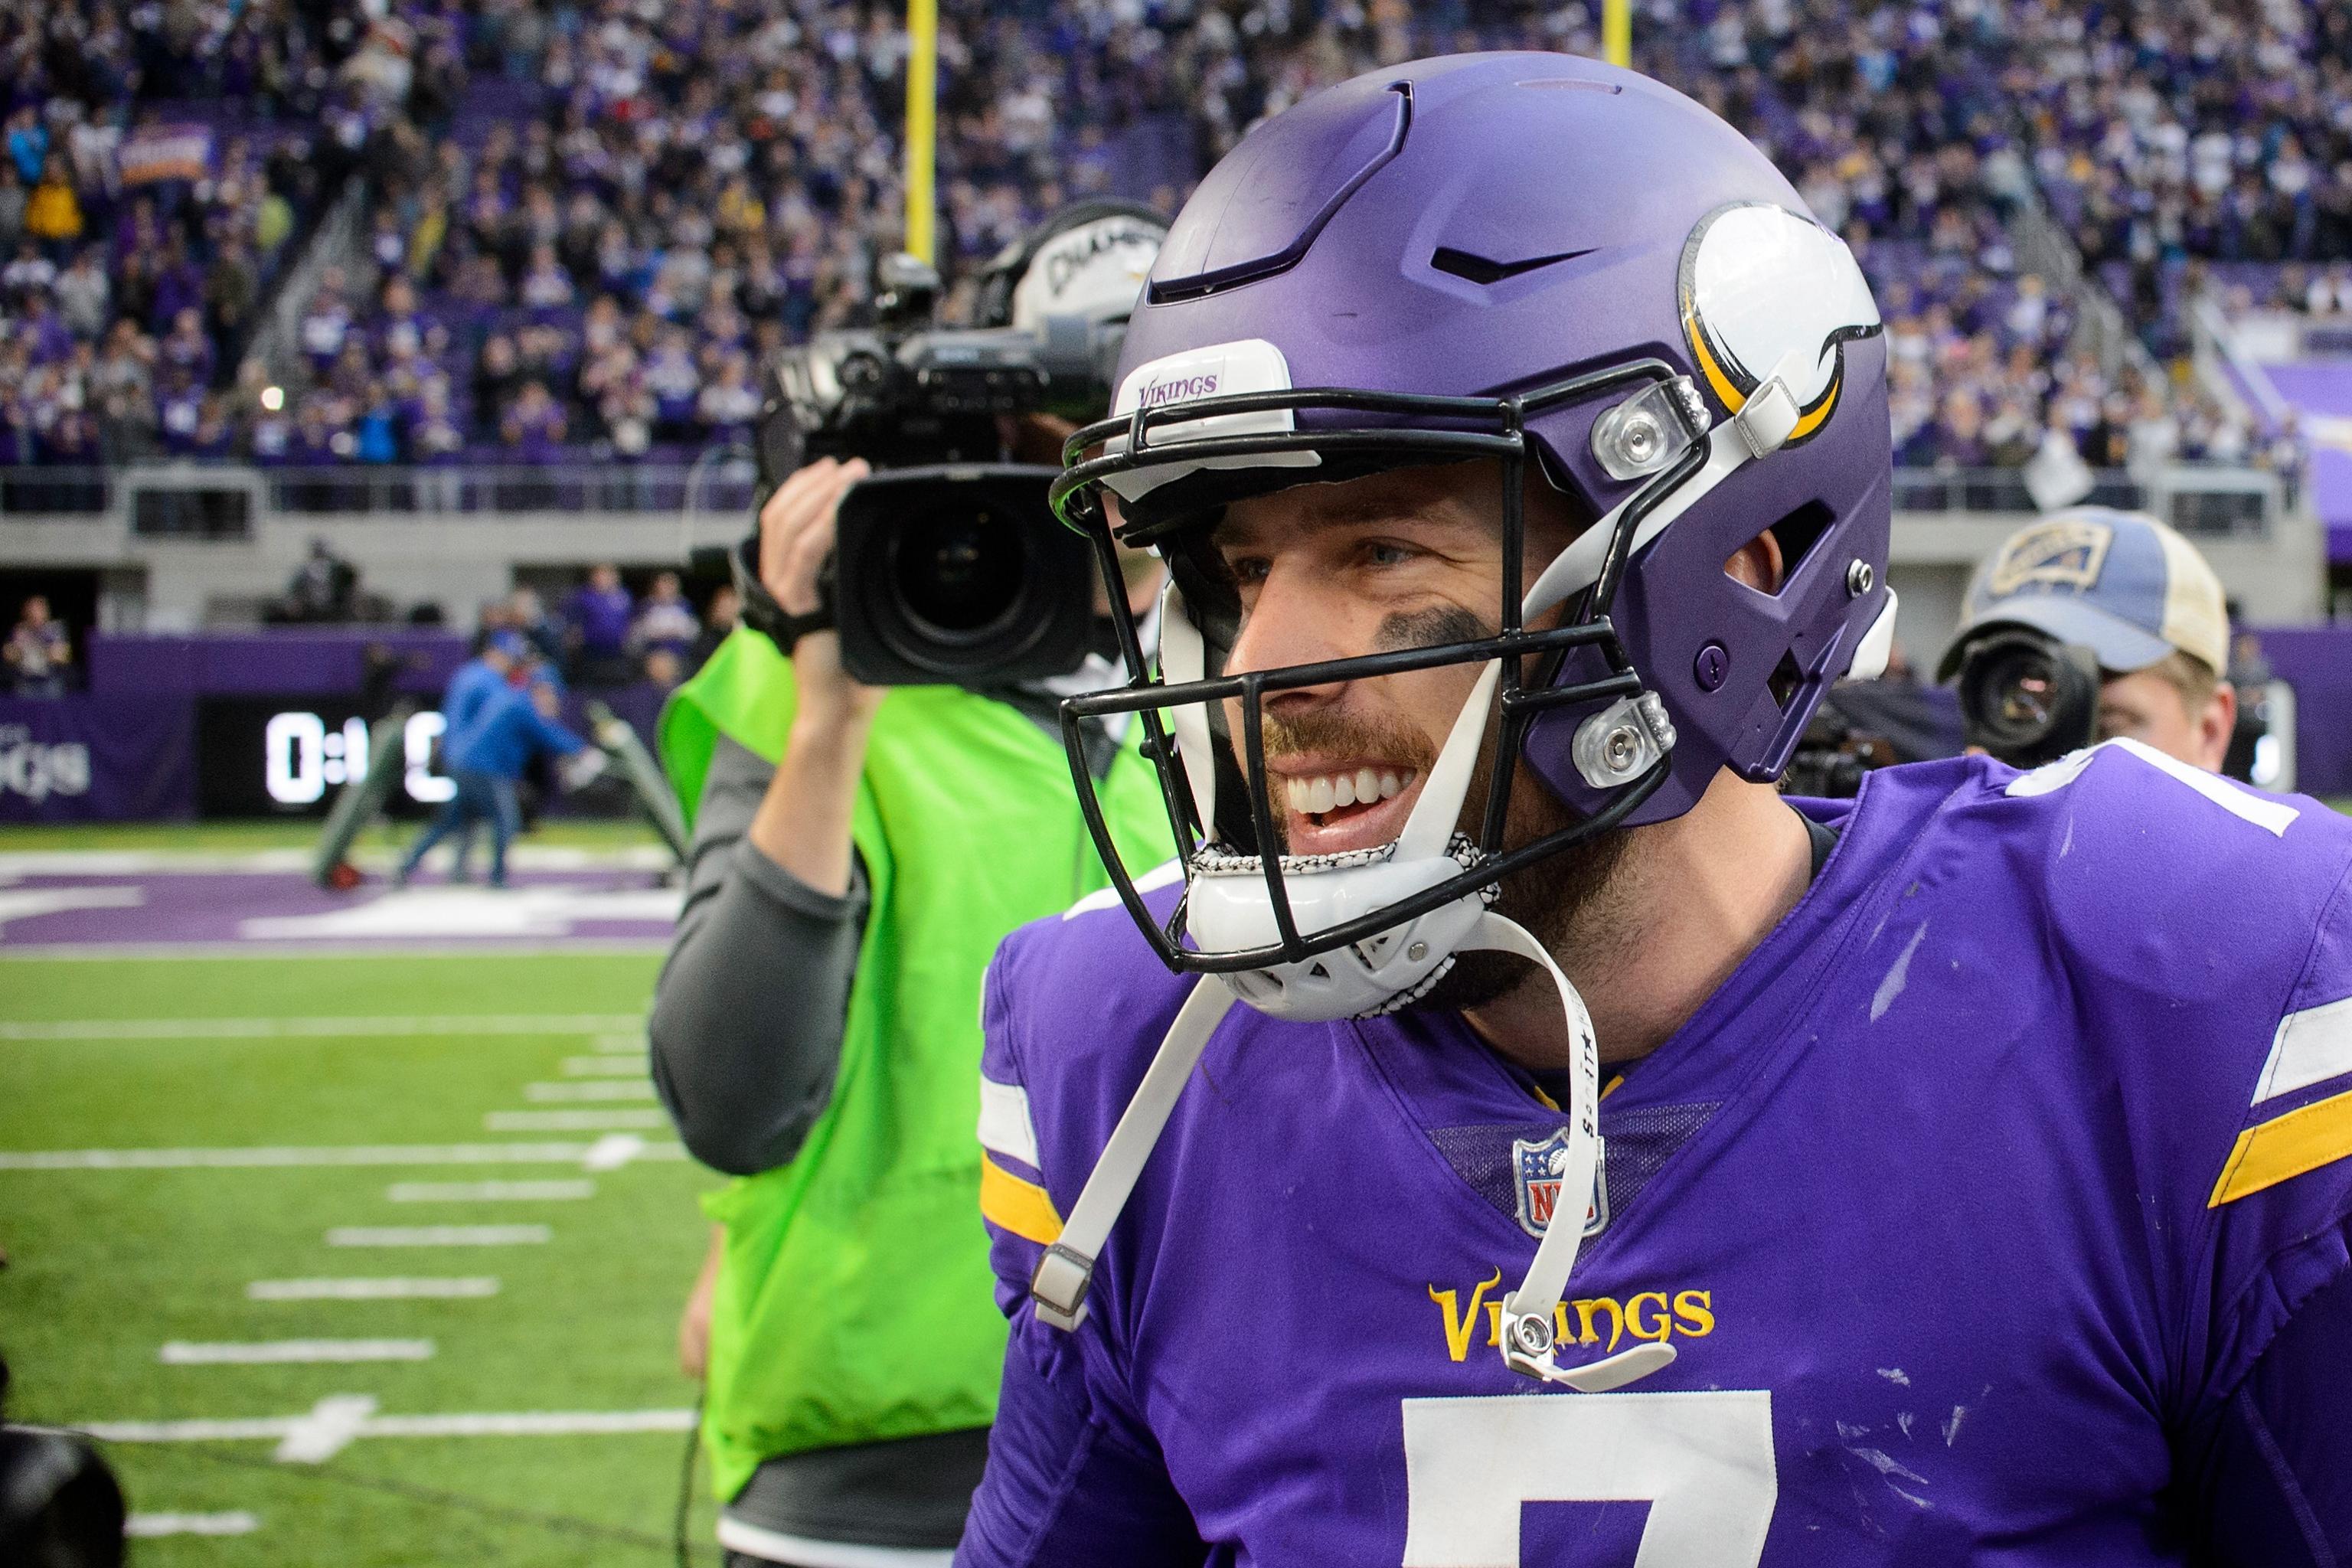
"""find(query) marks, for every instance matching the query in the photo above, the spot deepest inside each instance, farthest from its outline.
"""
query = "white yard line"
(605, 1066)
(264, 862)
(438, 1235)
(475, 947)
(273, 1352)
(450, 1287)
(488, 1192)
(558, 1153)
(593, 1089)
(573, 1120)
(311, 1028)
(343, 1418)
(142, 1526)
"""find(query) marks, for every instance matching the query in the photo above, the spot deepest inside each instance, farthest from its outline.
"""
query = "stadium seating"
(587, 231)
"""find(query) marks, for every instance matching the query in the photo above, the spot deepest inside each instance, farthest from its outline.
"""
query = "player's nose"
(1298, 616)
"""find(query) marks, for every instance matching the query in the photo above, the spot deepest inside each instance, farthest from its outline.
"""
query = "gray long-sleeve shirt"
(749, 1012)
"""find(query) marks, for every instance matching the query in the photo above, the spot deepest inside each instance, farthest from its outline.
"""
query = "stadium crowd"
(160, 168)
(592, 228)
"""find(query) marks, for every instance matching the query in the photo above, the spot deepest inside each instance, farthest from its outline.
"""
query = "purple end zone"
(283, 910)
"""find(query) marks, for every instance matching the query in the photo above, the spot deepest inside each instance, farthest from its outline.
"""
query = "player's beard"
(1561, 901)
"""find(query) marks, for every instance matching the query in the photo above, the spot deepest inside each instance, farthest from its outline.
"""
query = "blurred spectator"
(719, 619)
(83, 295)
(598, 615)
(37, 652)
(665, 621)
(53, 214)
(529, 616)
(325, 322)
(663, 669)
(729, 404)
(324, 588)
(533, 427)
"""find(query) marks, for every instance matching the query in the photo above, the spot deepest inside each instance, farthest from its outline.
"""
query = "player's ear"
(1758, 563)
(2214, 726)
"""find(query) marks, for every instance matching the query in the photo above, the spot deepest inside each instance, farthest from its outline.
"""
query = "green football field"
(517, 1402)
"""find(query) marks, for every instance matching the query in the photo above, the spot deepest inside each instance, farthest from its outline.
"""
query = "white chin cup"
(1230, 913)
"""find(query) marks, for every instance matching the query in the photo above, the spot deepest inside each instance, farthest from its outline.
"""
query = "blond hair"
(2189, 675)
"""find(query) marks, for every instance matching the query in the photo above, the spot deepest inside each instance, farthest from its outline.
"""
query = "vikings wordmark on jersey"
(1967, 1203)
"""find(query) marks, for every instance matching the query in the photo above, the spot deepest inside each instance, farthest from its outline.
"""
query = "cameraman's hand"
(802, 822)
(796, 538)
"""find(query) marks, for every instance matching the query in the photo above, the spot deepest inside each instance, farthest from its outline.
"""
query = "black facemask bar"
(1076, 499)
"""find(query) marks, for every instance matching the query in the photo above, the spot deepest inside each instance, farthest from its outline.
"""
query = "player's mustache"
(1348, 734)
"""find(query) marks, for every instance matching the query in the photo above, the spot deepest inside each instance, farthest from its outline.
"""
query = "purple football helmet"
(1535, 259)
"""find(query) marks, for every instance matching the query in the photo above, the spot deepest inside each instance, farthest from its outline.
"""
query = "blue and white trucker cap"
(2119, 583)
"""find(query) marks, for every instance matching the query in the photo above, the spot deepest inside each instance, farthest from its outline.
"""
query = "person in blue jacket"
(494, 732)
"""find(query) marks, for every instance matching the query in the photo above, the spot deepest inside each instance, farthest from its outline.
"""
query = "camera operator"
(2089, 626)
(858, 852)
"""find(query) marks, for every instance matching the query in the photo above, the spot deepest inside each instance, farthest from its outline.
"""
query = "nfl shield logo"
(1537, 1168)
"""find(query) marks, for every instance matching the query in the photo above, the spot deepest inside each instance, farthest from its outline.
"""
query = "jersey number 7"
(1702, 1460)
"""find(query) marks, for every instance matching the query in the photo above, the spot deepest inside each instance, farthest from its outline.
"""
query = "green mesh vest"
(854, 1300)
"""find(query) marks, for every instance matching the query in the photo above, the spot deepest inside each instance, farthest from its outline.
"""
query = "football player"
(1969, 1183)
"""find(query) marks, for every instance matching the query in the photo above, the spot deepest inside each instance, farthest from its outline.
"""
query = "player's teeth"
(1320, 796)
(1343, 789)
(1298, 794)
(1390, 786)
(1368, 785)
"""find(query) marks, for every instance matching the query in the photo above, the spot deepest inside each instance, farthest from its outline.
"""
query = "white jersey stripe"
(1004, 1125)
(2311, 1047)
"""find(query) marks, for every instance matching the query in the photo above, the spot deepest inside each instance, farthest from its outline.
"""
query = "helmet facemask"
(1324, 937)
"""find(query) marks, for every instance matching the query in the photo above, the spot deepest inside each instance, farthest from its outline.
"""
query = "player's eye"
(1387, 552)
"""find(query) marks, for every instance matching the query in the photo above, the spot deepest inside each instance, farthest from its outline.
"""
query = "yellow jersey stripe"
(1022, 1207)
(2285, 1147)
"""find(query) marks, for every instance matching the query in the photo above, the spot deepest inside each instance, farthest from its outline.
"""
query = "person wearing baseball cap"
(2142, 600)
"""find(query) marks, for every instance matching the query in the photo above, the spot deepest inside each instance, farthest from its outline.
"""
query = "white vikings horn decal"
(1758, 280)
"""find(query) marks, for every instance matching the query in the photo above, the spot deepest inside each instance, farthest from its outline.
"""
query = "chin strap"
(1530, 1332)
(1529, 1336)
(1059, 1286)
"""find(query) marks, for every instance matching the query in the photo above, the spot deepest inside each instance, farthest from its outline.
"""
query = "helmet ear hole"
(1792, 539)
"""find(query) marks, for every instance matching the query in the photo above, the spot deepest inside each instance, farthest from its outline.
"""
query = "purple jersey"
(1974, 1203)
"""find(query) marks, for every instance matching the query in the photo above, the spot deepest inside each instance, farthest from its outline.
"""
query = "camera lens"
(959, 574)
(2027, 698)
(2016, 695)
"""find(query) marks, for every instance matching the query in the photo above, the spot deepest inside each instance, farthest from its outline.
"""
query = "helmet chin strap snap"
(1531, 1328)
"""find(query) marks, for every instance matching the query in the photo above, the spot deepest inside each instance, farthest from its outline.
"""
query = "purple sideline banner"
(2317, 662)
(96, 758)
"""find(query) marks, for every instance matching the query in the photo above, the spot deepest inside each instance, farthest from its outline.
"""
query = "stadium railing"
(2195, 497)
(225, 500)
